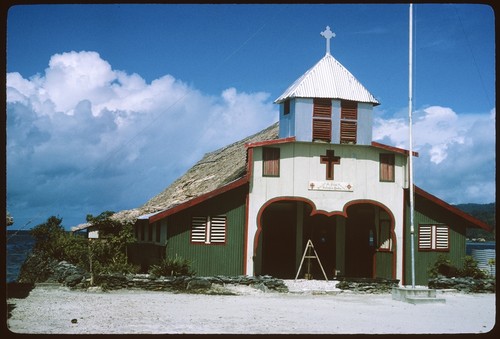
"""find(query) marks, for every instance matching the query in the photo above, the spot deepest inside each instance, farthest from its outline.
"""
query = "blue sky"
(108, 104)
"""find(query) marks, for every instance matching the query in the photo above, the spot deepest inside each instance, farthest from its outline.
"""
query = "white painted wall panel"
(300, 164)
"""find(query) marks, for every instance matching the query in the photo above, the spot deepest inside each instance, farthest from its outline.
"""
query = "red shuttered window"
(322, 120)
(271, 162)
(386, 167)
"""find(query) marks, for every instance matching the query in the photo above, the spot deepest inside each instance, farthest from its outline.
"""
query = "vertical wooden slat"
(386, 167)
(271, 161)
(158, 231)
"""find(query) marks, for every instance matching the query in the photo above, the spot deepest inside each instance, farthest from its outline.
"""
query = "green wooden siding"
(384, 264)
(427, 212)
(213, 259)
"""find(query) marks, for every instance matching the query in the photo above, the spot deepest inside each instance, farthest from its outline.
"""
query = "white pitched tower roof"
(328, 79)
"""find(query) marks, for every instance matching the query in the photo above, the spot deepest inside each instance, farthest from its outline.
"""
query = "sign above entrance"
(330, 186)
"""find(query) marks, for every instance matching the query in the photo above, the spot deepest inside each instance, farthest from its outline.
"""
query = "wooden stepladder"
(307, 255)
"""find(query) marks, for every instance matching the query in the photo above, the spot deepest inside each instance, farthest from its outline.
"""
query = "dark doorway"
(321, 230)
(278, 240)
(360, 241)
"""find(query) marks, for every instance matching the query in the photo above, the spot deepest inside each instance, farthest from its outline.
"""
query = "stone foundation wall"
(71, 276)
(367, 285)
(464, 284)
(183, 283)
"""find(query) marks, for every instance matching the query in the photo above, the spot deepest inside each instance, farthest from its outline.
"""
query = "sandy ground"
(307, 309)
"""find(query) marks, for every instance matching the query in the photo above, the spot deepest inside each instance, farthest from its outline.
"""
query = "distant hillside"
(483, 212)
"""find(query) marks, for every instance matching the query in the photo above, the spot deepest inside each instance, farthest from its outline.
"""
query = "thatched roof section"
(215, 170)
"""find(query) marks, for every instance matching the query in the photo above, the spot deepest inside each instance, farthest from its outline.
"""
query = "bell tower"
(327, 104)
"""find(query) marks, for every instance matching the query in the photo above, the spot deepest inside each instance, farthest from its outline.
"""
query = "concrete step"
(417, 295)
(424, 300)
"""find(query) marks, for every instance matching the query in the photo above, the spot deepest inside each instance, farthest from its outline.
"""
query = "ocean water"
(19, 245)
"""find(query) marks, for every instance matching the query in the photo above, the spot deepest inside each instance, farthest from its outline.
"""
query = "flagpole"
(410, 109)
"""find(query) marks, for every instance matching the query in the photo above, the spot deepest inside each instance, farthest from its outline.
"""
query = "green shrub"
(443, 266)
(177, 266)
(470, 269)
(108, 253)
(48, 238)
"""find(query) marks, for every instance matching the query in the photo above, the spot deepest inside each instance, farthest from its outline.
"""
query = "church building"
(314, 177)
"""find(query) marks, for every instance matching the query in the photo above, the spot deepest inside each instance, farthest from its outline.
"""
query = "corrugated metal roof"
(328, 79)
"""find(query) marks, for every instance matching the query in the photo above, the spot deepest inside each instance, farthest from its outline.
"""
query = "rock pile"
(68, 274)
(40, 270)
(367, 285)
(188, 284)
(37, 269)
(464, 284)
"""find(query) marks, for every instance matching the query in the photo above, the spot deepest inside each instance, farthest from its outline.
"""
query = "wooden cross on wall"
(330, 160)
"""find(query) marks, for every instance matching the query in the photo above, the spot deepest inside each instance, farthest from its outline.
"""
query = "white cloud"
(456, 152)
(84, 138)
(82, 134)
(76, 76)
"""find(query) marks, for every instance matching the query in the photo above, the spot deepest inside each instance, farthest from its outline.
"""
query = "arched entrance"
(355, 242)
(321, 229)
(279, 222)
(360, 244)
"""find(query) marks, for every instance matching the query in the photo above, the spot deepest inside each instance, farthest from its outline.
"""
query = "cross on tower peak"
(327, 34)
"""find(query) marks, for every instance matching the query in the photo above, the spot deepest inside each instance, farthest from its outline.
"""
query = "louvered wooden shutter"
(441, 236)
(433, 237)
(322, 130)
(348, 122)
(425, 237)
(322, 108)
(218, 229)
(322, 119)
(199, 229)
(349, 110)
(348, 132)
